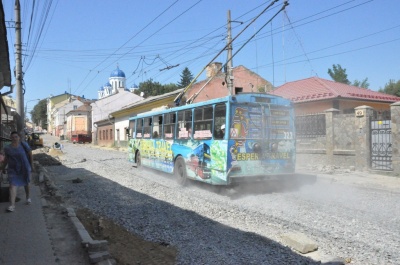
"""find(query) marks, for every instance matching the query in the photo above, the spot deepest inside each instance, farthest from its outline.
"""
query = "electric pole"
(18, 70)
(229, 79)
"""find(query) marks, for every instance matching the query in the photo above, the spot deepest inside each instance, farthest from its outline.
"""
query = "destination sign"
(280, 122)
(279, 113)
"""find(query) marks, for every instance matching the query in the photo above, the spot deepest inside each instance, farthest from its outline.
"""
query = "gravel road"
(353, 216)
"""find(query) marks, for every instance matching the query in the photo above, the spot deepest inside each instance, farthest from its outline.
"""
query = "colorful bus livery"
(189, 141)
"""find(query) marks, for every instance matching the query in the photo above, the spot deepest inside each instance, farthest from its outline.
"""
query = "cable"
(130, 40)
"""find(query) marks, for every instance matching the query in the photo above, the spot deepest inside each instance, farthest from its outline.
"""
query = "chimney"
(213, 69)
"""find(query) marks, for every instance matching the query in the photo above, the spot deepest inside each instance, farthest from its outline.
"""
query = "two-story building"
(54, 116)
(79, 121)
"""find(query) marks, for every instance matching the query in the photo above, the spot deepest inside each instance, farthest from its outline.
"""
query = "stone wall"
(347, 142)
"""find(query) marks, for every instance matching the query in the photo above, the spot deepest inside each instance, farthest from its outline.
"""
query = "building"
(54, 119)
(78, 121)
(111, 97)
(214, 86)
(314, 95)
(120, 118)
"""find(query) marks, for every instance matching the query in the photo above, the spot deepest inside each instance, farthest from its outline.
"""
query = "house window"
(335, 104)
(238, 90)
(111, 137)
(75, 107)
(349, 111)
(106, 135)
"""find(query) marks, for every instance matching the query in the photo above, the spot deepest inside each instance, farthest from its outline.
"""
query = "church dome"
(117, 73)
(107, 84)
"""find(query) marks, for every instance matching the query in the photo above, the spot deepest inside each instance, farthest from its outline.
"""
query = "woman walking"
(18, 157)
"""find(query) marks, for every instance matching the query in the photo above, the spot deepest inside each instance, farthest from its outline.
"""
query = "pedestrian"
(19, 159)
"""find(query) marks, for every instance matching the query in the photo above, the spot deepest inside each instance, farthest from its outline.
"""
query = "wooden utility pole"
(18, 70)
(229, 76)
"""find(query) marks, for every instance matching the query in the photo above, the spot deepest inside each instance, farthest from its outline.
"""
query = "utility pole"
(229, 76)
(18, 70)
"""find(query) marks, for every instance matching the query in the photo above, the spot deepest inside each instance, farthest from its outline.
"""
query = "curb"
(97, 249)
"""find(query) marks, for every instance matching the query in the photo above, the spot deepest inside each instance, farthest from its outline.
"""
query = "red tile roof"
(315, 88)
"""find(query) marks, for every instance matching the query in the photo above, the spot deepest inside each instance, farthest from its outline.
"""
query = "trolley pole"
(18, 70)
(229, 76)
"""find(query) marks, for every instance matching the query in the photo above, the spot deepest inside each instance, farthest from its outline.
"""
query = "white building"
(111, 97)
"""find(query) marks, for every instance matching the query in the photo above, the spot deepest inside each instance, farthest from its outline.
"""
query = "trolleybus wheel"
(180, 171)
(138, 160)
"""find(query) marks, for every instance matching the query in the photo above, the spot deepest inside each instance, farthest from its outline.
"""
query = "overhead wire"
(299, 40)
(203, 37)
(167, 24)
(151, 22)
(192, 58)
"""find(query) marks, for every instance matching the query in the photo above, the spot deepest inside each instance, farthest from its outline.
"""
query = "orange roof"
(315, 88)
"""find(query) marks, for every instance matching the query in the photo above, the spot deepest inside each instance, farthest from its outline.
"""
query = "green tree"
(391, 88)
(186, 78)
(151, 88)
(39, 114)
(338, 74)
(364, 83)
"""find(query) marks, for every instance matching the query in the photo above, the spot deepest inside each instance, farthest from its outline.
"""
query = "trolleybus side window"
(203, 118)
(157, 126)
(169, 125)
(147, 128)
(139, 128)
(132, 129)
(185, 124)
(219, 121)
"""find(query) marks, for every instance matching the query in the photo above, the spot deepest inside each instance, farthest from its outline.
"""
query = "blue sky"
(82, 42)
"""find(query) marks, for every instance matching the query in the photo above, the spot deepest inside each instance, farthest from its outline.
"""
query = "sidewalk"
(24, 238)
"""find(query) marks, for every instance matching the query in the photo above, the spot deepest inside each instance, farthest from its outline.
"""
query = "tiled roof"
(315, 88)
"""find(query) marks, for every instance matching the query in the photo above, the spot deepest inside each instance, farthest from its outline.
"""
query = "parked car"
(81, 138)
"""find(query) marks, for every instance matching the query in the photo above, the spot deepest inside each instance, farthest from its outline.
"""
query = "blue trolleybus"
(245, 137)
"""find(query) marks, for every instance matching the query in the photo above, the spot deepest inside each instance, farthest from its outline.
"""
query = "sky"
(73, 45)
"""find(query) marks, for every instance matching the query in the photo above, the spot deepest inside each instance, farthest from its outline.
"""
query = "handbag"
(24, 145)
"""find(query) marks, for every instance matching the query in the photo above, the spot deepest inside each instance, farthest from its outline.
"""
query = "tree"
(39, 114)
(391, 88)
(338, 74)
(186, 78)
(363, 84)
(151, 88)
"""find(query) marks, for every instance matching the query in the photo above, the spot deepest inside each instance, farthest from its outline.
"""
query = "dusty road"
(352, 216)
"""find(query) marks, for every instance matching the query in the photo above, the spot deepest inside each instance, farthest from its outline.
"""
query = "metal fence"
(308, 126)
(381, 145)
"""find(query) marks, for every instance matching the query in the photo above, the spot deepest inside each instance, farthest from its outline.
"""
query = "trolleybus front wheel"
(180, 171)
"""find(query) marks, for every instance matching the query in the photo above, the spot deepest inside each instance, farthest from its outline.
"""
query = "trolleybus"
(243, 137)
